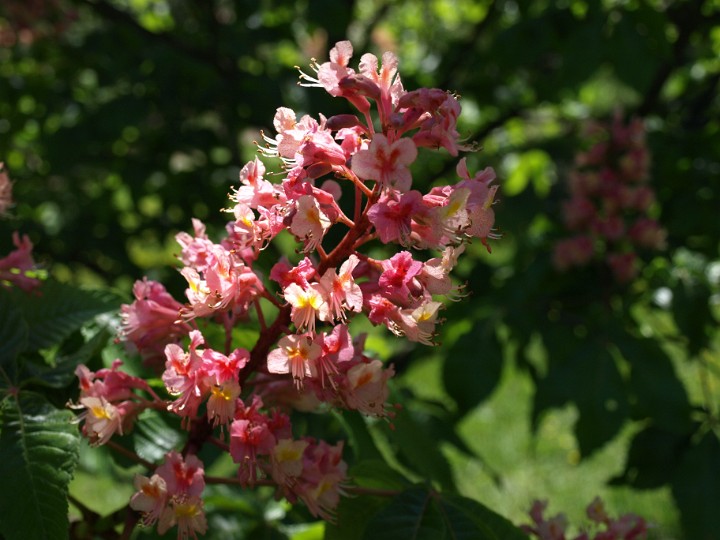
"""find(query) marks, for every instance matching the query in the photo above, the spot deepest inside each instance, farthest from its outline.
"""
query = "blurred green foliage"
(122, 119)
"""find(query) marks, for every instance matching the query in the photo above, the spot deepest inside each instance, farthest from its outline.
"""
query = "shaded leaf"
(473, 367)
(63, 373)
(13, 332)
(696, 489)
(417, 449)
(653, 457)
(38, 453)
(658, 392)
(60, 309)
(587, 376)
(419, 514)
(353, 515)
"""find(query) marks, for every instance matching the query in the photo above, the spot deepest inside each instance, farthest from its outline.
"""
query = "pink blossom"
(102, 419)
(296, 354)
(285, 274)
(435, 112)
(308, 304)
(183, 476)
(324, 472)
(187, 513)
(340, 290)
(16, 267)
(185, 376)
(153, 319)
(386, 162)
(397, 281)
(151, 497)
(255, 191)
(365, 387)
(251, 436)
(393, 214)
(309, 223)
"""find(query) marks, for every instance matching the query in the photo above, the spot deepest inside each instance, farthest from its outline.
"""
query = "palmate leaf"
(60, 309)
(423, 514)
(38, 452)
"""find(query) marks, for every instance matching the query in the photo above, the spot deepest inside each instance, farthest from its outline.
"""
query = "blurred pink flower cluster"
(607, 212)
(17, 267)
(352, 172)
(626, 527)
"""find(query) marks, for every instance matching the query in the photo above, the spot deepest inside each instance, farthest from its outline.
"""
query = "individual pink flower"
(435, 275)
(255, 191)
(340, 290)
(251, 436)
(187, 513)
(397, 281)
(418, 323)
(183, 476)
(309, 223)
(386, 162)
(365, 387)
(331, 76)
(185, 376)
(307, 303)
(151, 497)
(386, 78)
(102, 420)
(287, 460)
(296, 354)
(285, 274)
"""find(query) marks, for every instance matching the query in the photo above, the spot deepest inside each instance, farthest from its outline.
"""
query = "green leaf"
(359, 436)
(63, 373)
(691, 310)
(353, 515)
(13, 332)
(60, 309)
(473, 367)
(417, 449)
(658, 392)
(422, 514)
(38, 453)
(587, 376)
(152, 437)
(653, 457)
(696, 489)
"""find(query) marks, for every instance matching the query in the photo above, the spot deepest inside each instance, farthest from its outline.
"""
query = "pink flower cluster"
(626, 527)
(306, 356)
(609, 202)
